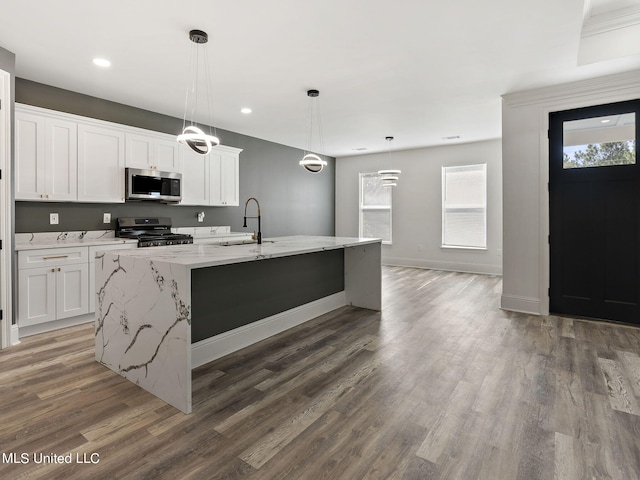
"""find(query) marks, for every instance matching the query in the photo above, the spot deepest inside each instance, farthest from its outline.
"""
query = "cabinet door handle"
(58, 268)
(53, 269)
(55, 256)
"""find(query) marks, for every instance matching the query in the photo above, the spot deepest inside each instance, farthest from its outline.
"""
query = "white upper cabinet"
(195, 177)
(225, 165)
(152, 151)
(100, 164)
(65, 157)
(210, 179)
(46, 157)
(29, 157)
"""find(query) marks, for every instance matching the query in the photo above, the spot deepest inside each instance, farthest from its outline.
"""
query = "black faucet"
(258, 217)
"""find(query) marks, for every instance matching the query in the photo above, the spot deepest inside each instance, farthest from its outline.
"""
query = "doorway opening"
(5, 211)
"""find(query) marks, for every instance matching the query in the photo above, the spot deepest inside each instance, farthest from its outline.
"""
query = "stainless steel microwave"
(153, 185)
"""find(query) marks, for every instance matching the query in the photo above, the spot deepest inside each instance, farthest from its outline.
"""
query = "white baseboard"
(477, 268)
(55, 325)
(216, 347)
(521, 304)
(14, 340)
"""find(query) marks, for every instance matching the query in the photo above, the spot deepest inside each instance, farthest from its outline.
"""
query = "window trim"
(362, 208)
(484, 208)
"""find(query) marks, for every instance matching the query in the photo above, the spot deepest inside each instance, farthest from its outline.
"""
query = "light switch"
(53, 219)
(106, 218)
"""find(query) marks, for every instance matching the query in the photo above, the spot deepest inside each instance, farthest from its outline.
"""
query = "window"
(375, 208)
(599, 141)
(464, 206)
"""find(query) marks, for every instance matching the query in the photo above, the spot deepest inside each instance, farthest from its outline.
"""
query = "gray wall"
(417, 205)
(293, 201)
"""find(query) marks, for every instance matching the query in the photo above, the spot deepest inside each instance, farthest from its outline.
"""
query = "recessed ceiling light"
(246, 110)
(101, 62)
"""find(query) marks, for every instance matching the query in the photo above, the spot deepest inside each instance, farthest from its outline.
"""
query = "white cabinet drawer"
(52, 256)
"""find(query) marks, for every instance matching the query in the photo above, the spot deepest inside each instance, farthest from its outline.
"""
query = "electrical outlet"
(53, 219)
(106, 218)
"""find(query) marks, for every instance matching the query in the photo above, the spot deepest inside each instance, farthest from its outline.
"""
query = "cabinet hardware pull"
(53, 269)
(55, 256)
(58, 268)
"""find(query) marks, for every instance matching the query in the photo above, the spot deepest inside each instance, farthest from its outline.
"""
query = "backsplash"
(51, 237)
(196, 232)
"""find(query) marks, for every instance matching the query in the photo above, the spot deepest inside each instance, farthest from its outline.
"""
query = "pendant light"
(192, 135)
(312, 162)
(389, 177)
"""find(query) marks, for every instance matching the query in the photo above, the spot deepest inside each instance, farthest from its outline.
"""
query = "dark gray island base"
(163, 311)
(243, 293)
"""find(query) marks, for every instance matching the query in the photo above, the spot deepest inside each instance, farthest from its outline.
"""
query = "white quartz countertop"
(34, 241)
(199, 256)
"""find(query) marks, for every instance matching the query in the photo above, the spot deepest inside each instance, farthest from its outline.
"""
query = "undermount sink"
(243, 242)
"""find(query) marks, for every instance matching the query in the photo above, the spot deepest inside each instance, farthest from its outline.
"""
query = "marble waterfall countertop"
(144, 305)
(37, 240)
(198, 256)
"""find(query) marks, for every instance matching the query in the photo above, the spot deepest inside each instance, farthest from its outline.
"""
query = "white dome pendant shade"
(311, 162)
(192, 135)
(390, 176)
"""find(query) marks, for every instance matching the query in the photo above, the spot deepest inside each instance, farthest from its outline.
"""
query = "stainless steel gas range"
(150, 232)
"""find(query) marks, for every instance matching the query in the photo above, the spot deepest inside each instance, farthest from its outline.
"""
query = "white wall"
(525, 166)
(417, 205)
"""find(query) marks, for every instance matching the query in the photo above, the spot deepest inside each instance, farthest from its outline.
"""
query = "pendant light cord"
(209, 95)
(191, 95)
(314, 109)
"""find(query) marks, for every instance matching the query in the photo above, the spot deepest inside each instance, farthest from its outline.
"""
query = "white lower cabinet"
(53, 284)
(72, 290)
(36, 296)
(58, 283)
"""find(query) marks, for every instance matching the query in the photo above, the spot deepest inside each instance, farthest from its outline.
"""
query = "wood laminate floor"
(441, 384)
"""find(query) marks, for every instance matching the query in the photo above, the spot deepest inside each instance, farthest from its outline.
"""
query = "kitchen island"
(163, 311)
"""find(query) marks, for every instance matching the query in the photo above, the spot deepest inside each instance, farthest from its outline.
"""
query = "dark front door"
(594, 197)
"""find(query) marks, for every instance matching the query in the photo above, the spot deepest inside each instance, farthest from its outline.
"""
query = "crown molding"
(620, 82)
(609, 21)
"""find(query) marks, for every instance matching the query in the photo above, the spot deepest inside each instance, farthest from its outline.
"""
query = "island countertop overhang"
(200, 256)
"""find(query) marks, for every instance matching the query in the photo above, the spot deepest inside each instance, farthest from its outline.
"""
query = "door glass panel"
(599, 141)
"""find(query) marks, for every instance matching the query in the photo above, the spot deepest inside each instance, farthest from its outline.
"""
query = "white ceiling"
(417, 70)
